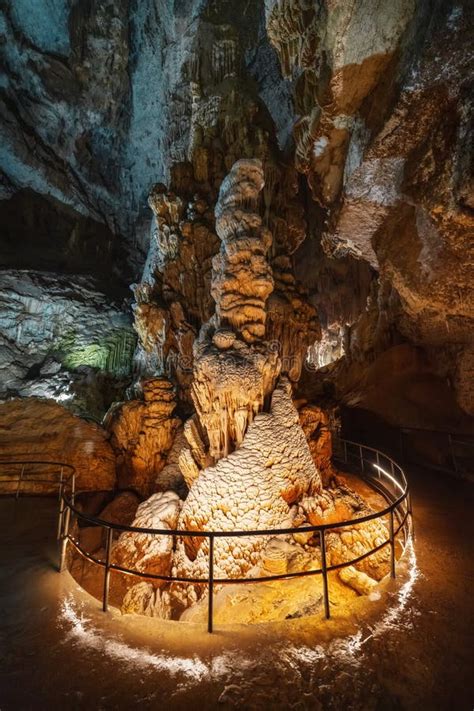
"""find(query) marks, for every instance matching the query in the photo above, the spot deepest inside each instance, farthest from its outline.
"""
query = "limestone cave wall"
(120, 121)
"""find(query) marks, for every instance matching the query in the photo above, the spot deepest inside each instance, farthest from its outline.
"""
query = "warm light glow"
(389, 476)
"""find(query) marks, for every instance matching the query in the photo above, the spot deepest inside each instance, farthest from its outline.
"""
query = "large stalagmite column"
(248, 461)
(235, 369)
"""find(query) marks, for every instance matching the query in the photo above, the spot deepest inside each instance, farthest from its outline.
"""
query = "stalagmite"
(235, 369)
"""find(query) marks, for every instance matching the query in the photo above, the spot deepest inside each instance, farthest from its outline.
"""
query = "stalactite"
(224, 59)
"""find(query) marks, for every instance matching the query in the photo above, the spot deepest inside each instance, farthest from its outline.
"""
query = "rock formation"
(264, 476)
(316, 427)
(61, 338)
(142, 433)
(253, 488)
(334, 259)
(144, 552)
(360, 116)
(235, 369)
(38, 429)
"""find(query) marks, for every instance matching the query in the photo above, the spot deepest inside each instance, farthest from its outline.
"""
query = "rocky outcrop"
(121, 510)
(145, 599)
(253, 488)
(168, 306)
(315, 423)
(242, 278)
(142, 433)
(337, 503)
(145, 552)
(339, 54)
(62, 339)
(235, 369)
(34, 429)
(376, 100)
(292, 323)
(383, 144)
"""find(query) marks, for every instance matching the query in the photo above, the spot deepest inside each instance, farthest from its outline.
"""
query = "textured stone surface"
(343, 130)
(144, 599)
(401, 200)
(357, 580)
(41, 429)
(252, 488)
(316, 427)
(233, 378)
(142, 433)
(60, 338)
(145, 552)
(121, 509)
(101, 103)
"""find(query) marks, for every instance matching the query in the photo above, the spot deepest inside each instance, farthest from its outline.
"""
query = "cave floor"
(410, 649)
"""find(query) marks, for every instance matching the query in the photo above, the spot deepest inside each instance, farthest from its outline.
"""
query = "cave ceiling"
(120, 120)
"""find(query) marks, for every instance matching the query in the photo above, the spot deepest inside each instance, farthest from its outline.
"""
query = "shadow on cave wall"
(41, 233)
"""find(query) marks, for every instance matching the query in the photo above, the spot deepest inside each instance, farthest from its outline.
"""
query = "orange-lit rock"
(122, 508)
(234, 374)
(252, 488)
(44, 430)
(148, 553)
(315, 423)
(142, 433)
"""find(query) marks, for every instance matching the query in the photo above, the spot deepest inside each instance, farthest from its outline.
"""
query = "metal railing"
(24, 473)
(458, 450)
(379, 470)
(441, 450)
(382, 472)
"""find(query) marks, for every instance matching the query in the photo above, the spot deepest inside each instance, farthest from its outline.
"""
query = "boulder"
(150, 553)
(144, 599)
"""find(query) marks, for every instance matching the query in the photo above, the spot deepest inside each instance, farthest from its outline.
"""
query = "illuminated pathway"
(59, 651)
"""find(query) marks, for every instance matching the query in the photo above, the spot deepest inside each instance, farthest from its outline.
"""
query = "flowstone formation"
(142, 433)
(248, 459)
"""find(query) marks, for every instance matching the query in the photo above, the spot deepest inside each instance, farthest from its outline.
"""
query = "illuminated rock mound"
(248, 466)
(247, 459)
(145, 552)
(254, 488)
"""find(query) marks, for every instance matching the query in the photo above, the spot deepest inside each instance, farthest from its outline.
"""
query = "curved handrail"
(233, 534)
(363, 452)
(393, 509)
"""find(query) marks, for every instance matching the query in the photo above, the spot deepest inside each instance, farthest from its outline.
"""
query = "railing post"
(60, 483)
(61, 510)
(392, 546)
(108, 548)
(19, 481)
(392, 470)
(73, 487)
(410, 509)
(361, 458)
(64, 540)
(325, 574)
(210, 614)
